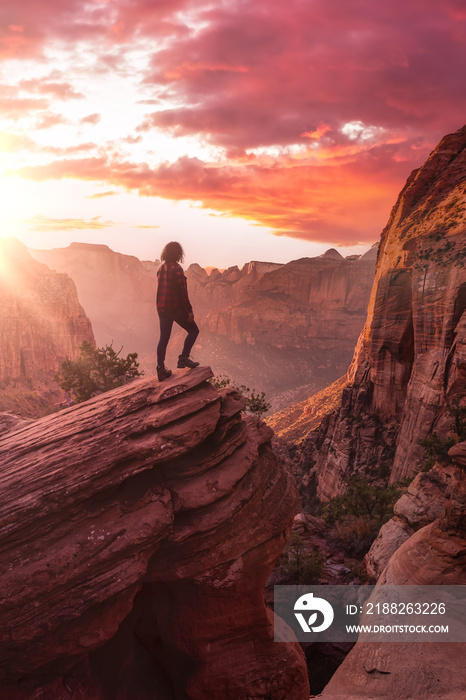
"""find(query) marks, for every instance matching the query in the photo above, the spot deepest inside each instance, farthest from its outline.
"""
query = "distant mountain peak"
(331, 254)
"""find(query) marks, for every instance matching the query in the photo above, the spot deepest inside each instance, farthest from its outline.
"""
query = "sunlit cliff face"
(136, 123)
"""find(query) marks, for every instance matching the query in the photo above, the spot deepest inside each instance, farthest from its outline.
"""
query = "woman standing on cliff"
(173, 305)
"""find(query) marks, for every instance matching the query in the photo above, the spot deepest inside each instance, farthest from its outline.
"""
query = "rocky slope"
(41, 324)
(410, 360)
(294, 330)
(434, 555)
(139, 529)
(295, 422)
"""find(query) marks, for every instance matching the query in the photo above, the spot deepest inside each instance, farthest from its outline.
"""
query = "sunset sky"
(246, 129)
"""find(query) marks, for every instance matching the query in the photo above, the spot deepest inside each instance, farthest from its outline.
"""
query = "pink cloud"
(60, 90)
(47, 120)
(91, 119)
(365, 89)
(303, 64)
(17, 107)
(70, 150)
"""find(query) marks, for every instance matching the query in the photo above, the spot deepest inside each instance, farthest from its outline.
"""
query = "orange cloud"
(346, 205)
(46, 224)
(99, 195)
(317, 133)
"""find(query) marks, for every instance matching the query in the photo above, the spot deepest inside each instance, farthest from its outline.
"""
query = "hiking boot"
(163, 373)
(186, 362)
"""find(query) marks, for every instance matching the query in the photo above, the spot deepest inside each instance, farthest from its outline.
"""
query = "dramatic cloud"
(305, 117)
(302, 200)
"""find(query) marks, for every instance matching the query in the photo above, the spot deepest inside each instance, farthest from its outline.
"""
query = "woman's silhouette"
(173, 305)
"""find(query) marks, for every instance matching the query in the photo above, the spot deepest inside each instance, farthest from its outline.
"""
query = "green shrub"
(95, 371)
(300, 567)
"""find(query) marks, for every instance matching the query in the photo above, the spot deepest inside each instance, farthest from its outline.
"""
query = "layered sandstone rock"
(410, 360)
(41, 324)
(421, 504)
(139, 529)
(435, 555)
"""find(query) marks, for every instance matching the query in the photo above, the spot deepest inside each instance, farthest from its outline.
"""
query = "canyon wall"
(139, 529)
(410, 360)
(41, 320)
(41, 324)
(292, 332)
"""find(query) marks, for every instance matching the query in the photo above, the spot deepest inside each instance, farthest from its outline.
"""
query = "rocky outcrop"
(421, 504)
(304, 304)
(434, 555)
(410, 360)
(303, 318)
(139, 529)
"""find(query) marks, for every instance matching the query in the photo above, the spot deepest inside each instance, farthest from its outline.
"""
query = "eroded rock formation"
(410, 360)
(218, 290)
(421, 504)
(138, 530)
(41, 320)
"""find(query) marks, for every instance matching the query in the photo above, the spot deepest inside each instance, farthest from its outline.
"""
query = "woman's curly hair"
(172, 252)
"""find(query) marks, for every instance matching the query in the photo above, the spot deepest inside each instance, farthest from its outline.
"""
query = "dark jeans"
(166, 324)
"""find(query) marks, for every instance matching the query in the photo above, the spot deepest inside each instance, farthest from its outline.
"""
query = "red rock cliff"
(139, 529)
(41, 320)
(410, 360)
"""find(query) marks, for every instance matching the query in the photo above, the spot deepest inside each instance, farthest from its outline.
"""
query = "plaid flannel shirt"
(172, 291)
